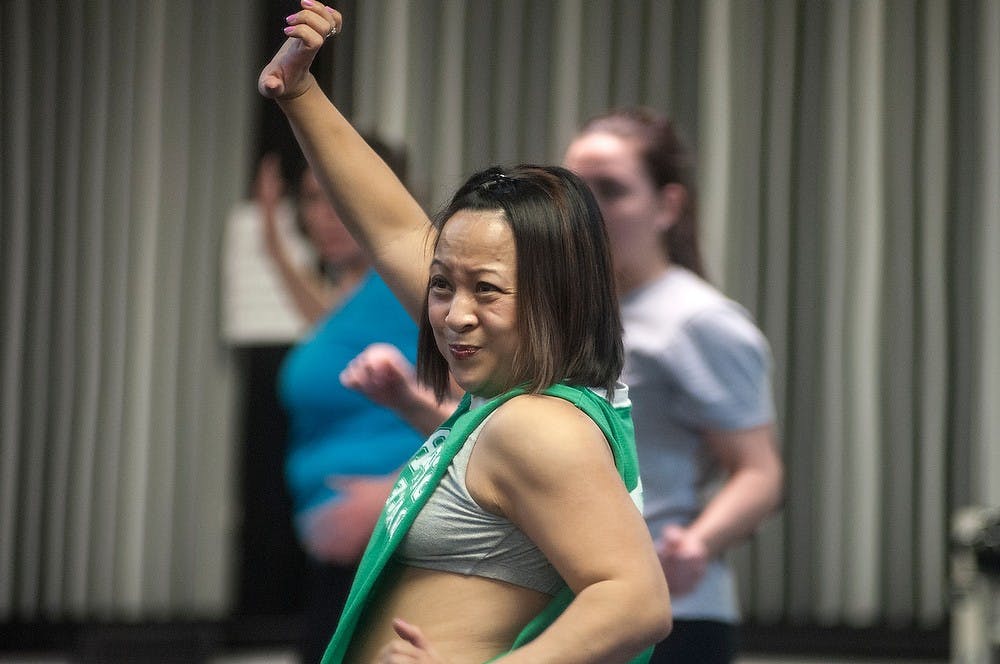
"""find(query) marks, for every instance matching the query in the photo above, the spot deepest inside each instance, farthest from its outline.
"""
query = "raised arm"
(374, 205)
(312, 296)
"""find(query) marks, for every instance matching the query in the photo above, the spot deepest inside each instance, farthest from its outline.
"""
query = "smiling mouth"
(461, 351)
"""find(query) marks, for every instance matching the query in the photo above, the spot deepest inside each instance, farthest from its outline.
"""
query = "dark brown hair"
(567, 308)
(667, 160)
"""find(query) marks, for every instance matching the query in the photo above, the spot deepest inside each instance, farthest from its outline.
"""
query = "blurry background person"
(698, 372)
(336, 435)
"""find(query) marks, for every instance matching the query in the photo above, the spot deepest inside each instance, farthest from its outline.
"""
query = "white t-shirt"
(694, 361)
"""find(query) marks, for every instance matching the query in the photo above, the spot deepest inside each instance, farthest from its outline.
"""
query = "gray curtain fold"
(125, 139)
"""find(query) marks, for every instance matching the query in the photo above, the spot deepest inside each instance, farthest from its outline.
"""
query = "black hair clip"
(497, 183)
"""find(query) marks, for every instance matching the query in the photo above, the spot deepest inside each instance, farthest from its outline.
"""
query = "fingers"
(287, 76)
(383, 355)
(361, 376)
(672, 536)
(412, 646)
(314, 23)
(269, 185)
(345, 483)
(411, 634)
(683, 557)
(385, 350)
(270, 84)
(270, 165)
(669, 542)
(398, 652)
(379, 366)
(348, 378)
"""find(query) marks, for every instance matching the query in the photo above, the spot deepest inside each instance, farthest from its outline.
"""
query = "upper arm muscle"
(558, 484)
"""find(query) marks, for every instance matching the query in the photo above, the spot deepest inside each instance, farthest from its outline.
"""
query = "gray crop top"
(452, 533)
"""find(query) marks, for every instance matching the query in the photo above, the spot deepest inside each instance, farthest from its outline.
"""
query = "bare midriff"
(468, 619)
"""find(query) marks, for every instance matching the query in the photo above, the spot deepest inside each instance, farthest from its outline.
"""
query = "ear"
(673, 197)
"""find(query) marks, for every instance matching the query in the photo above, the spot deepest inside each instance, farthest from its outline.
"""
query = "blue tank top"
(334, 430)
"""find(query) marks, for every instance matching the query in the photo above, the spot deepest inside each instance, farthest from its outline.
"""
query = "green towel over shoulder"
(424, 471)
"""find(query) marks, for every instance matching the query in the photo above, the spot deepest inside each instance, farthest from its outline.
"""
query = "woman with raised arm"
(698, 369)
(342, 446)
(513, 534)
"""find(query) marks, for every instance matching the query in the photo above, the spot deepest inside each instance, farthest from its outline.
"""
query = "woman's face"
(472, 300)
(331, 239)
(634, 209)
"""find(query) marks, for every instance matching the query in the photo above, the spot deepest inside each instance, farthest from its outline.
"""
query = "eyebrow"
(478, 272)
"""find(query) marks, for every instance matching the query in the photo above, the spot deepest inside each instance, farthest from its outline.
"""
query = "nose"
(461, 313)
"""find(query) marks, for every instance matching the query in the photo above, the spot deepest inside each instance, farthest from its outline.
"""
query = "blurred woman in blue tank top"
(337, 437)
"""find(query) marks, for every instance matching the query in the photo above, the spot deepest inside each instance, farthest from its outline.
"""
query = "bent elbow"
(658, 617)
(663, 623)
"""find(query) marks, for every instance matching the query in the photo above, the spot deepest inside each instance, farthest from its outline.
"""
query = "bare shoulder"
(533, 413)
(538, 425)
(534, 449)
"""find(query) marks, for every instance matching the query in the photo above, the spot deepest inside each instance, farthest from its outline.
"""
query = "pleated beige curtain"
(125, 134)
(849, 168)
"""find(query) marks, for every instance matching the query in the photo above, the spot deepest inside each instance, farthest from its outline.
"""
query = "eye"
(438, 284)
(486, 287)
(609, 190)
